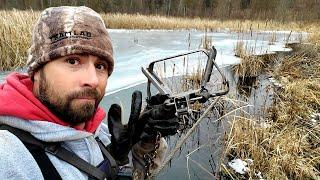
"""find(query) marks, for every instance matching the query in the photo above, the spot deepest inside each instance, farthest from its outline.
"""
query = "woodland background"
(281, 10)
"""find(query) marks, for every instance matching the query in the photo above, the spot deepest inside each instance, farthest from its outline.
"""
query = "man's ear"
(36, 76)
(36, 80)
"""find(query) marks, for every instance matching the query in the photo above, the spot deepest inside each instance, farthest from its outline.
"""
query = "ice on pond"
(136, 48)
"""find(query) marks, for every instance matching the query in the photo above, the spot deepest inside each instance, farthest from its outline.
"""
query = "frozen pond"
(136, 48)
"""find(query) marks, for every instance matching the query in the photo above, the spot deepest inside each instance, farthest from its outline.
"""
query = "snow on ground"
(239, 166)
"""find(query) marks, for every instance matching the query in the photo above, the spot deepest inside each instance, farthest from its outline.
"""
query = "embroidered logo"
(72, 34)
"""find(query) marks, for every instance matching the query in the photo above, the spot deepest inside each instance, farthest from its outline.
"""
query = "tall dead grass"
(286, 144)
(250, 65)
(15, 36)
(315, 38)
(138, 21)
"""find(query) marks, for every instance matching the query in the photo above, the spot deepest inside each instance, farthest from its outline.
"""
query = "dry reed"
(289, 146)
(15, 32)
(250, 65)
(138, 21)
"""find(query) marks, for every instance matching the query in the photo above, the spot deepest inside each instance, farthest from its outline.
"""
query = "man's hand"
(121, 135)
(156, 117)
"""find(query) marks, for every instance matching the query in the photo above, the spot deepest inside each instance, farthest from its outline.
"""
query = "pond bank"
(286, 142)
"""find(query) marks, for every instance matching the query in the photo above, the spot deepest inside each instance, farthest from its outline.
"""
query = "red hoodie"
(17, 99)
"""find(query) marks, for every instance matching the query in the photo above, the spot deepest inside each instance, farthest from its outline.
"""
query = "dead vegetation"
(250, 65)
(15, 33)
(286, 143)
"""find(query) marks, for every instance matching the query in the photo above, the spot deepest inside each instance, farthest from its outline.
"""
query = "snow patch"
(265, 125)
(279, 47)
(259, 175)
(315, 118)
(239, 166)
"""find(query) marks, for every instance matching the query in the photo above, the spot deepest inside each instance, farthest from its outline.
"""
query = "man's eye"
(101, 66)
(73, 61)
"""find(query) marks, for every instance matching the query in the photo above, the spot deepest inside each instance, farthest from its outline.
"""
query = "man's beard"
(62, 107)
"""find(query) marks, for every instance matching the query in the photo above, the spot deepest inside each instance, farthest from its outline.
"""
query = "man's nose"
(90, 77)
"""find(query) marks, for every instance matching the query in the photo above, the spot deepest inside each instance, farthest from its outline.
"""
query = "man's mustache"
(88, 93)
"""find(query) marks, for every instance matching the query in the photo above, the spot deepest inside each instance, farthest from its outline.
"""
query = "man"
(69, 63)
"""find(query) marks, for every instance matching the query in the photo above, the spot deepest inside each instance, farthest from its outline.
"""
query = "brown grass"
(315, 38)
(138, 21)
(289, 147)
(252, 65)
(15, 32)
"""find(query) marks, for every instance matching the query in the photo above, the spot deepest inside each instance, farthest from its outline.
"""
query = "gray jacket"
(16, 162)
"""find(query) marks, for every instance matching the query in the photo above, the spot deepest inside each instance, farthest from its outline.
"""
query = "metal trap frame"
(182, 101)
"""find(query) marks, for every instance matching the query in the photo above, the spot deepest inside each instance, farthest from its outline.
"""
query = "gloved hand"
(156, 117)
(121, 135)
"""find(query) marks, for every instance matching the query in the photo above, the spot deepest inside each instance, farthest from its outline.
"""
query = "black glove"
(121, 135)
(156, 117)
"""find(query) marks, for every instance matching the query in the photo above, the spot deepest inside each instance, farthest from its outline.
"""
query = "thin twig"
(203, 168)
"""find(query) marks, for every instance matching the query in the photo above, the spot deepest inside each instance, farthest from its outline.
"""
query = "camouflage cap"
(67, 30)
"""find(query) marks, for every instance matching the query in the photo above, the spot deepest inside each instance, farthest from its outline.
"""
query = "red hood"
(17, 99)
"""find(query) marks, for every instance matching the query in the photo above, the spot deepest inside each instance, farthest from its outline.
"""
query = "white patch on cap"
(68, 49)
(46, 13)
(33, 64)
(46, 30)
(30, 56)
(68, 19)
(43, 51)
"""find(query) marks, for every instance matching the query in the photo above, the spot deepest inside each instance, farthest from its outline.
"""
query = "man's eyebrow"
(73, 55)
(100, 59)
(86, 55)
(103, 61)
(83, 55)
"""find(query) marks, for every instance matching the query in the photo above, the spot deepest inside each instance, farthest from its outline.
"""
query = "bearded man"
(51, 120)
